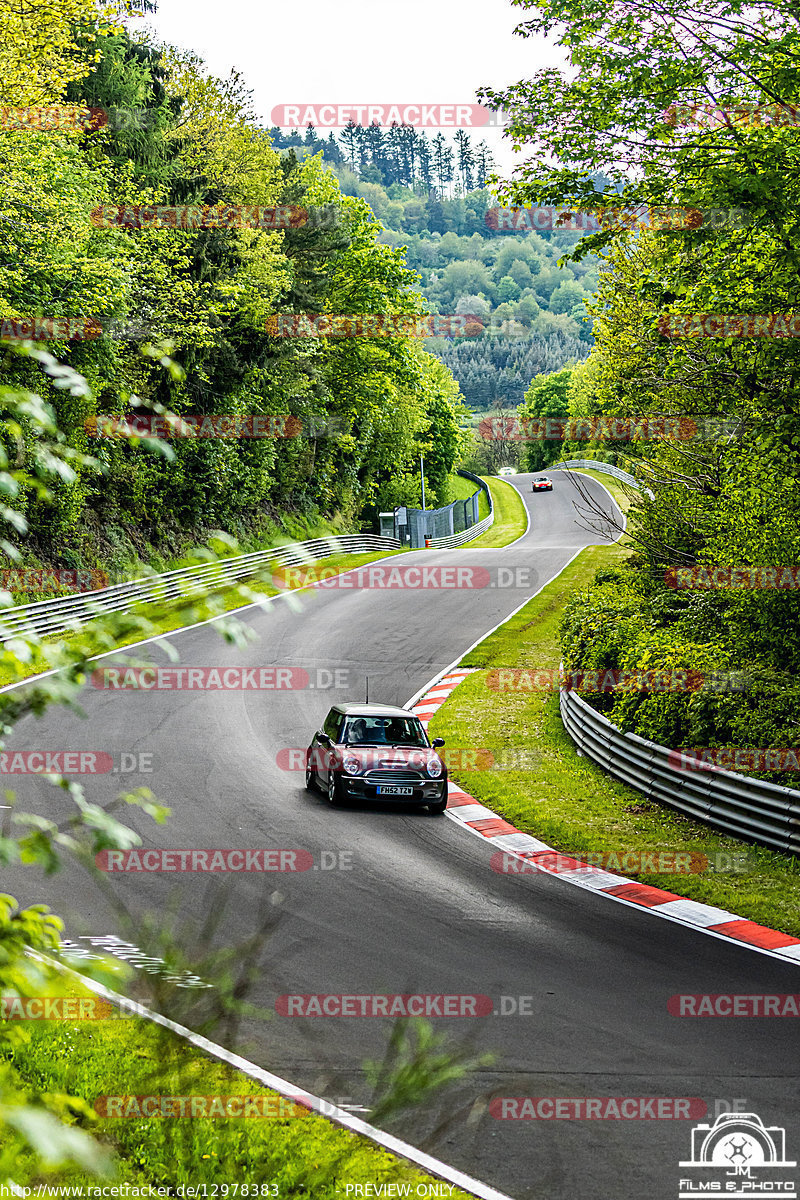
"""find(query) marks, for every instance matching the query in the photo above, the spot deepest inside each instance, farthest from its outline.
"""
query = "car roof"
(372, 710)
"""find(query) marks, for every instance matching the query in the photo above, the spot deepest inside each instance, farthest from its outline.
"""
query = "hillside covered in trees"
(430, 196)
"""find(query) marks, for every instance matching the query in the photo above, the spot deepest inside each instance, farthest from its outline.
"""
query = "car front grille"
(393, 777)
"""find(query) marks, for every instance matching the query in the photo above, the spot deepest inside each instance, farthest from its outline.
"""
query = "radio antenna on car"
(366, 699)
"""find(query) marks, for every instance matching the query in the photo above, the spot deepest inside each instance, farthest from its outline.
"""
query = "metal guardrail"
(735, 804)
(592, 464)
(466, 535)
(68, 612)
(458, 539)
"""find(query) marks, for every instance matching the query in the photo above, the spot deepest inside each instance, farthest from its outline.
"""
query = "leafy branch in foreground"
(56, 1126)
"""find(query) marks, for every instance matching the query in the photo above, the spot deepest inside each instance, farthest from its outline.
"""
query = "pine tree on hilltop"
(466, 160)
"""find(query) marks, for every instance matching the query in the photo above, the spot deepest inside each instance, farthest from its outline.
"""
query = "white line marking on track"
(289, 1090)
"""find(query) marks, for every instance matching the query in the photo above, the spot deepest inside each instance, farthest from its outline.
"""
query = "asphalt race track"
(420, 910)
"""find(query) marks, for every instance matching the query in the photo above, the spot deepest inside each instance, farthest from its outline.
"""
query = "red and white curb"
(435, 698)
(479, 820)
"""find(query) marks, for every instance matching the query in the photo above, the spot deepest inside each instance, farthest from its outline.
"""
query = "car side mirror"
(437, 742)
(323, 737)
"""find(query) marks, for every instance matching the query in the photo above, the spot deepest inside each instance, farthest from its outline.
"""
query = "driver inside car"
(358, 732)
(397, 734)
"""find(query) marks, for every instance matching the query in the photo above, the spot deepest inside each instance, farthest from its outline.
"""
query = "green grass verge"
(510, 516)
(285, 1157)
(569, 802)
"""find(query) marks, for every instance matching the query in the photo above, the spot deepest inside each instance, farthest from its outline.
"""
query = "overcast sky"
(360, 51)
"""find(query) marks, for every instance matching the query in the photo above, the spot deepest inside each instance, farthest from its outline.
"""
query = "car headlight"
(434, 767)
(351, 764)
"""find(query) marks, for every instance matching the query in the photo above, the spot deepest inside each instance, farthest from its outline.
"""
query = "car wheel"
(311, 779)
(439, 806)
(333, 787)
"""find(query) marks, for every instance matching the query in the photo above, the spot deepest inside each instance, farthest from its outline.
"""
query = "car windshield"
(383, 731)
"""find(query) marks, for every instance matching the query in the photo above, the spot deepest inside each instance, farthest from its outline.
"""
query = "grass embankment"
(510, 516)
(572, 804)
(461, 489)
(290, 1156)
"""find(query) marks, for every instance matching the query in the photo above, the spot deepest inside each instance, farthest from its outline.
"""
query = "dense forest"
(399, 154)
(429, 196)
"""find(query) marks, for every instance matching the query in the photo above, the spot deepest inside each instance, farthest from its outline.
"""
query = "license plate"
(395, 791)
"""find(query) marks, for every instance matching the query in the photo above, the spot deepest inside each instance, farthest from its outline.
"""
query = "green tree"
(727, 493)
(508, 290)
(546, 398)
